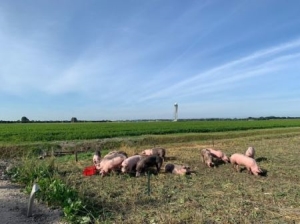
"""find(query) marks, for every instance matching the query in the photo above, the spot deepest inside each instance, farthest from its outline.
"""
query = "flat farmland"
(47, 132)
(208, 195)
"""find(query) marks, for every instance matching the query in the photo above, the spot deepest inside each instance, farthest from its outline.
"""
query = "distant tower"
(175, 111)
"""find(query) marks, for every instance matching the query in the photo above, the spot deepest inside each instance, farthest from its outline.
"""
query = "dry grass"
(209, 195)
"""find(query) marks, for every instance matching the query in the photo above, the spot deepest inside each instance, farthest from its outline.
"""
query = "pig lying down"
(207, 157)
(147, 162)
(177, 169)
(238, 159)
(129, 164)
(250, 152)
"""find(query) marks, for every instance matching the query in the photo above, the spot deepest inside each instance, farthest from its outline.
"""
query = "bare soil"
(14, 204)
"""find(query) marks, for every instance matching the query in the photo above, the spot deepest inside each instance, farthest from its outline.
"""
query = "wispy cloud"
(259, 63)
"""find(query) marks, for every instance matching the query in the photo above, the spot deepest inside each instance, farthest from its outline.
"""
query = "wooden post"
(76, 157)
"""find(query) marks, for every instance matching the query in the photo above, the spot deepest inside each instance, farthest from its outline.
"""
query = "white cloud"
(259, 63)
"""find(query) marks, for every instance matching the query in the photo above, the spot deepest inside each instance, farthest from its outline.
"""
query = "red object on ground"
(89, 171)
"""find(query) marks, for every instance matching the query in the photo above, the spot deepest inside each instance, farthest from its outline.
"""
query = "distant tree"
(24, 119)
(74, 119)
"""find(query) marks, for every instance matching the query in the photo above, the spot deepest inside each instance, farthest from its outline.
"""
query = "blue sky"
(130, 59)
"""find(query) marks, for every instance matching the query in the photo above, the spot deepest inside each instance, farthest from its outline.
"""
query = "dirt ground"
(14, 204)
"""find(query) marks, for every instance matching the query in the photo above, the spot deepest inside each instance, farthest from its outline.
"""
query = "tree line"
(24, 119)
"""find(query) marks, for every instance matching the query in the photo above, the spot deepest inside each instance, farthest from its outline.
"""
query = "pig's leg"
(102, 173)
(249, 171)
(133, 168)
(237, 168)
(157, 167)
(234, 166)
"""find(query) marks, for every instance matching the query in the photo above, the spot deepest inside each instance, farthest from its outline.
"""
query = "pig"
(107, 165)
(113, 154)
(238, 159)
(250, 152)
(207, 157)
(155, 151)
(97, 159)
(177, 169)
(129, 164)
(148, 161)
(219, 155)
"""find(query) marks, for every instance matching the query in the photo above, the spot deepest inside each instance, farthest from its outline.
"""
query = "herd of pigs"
(154, 158)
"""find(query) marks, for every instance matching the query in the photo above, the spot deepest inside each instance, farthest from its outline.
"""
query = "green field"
(22, 133)
(209, 195)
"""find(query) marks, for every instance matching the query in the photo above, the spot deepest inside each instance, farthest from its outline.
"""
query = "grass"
(12, 150)
(209, 195)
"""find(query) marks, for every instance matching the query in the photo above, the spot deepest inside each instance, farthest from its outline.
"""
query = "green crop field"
(22, 133)
(208, 195)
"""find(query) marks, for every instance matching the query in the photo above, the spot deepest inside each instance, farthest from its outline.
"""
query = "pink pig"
(219, 155)
(147, 152)
(155, 151)
(250, 152)
(207, 158)
(242, 160)
(97, 159)
(129, 164)
(107, 165)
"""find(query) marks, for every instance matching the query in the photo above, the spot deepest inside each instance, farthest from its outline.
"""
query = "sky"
(131, 59)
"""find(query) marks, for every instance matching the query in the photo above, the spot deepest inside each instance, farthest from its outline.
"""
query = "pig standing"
(250, 152)
(129, 164)
(207, 157)
(155, 151)
(177, 169)
(238, 159)
(149, 161)
(109, 164)
(219, 155)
